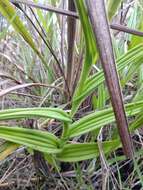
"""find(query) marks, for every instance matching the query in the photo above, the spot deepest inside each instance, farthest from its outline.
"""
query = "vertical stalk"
(71, 39)
(98, 18)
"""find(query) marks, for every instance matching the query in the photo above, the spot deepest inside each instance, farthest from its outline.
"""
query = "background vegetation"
(57, 125)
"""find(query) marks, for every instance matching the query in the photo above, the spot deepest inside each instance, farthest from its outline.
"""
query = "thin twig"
(46, 8)
(104, 165)
(27, 85)
(75, 15)
(126, 29)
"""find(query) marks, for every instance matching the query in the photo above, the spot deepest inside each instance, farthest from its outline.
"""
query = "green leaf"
(35, 139)
(96, 120)
(137, 123)
(79, 152)
(6, 149)
(91, 52)
(132, 57)
(101, 96)
(20, 113)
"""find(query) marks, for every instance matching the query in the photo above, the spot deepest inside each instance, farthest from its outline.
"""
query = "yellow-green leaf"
(6, 149)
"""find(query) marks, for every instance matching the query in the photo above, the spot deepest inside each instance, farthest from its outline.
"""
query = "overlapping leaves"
(35, 139)
(47, 142)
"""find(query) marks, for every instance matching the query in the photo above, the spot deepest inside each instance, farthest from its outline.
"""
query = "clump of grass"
(56, 117)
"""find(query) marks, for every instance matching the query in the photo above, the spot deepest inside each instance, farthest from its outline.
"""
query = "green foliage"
(37, 140)
(91, 54)
(20, 113)
(78, 152)
(65, 148)
(130, 58)
(98, 119)
(6, 148)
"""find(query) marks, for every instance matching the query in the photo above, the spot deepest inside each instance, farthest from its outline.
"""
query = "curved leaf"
(98, 119)
(6, 149)
(79, 152)
(35, 139)
(133, 56)
(20, 113)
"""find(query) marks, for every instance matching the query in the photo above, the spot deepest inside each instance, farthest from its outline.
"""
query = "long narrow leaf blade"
(79, 152)
(98, 119)
(20, 113)
(35, 139)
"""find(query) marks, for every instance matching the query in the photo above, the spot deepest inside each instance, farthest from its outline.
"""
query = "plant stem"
(98, 18)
